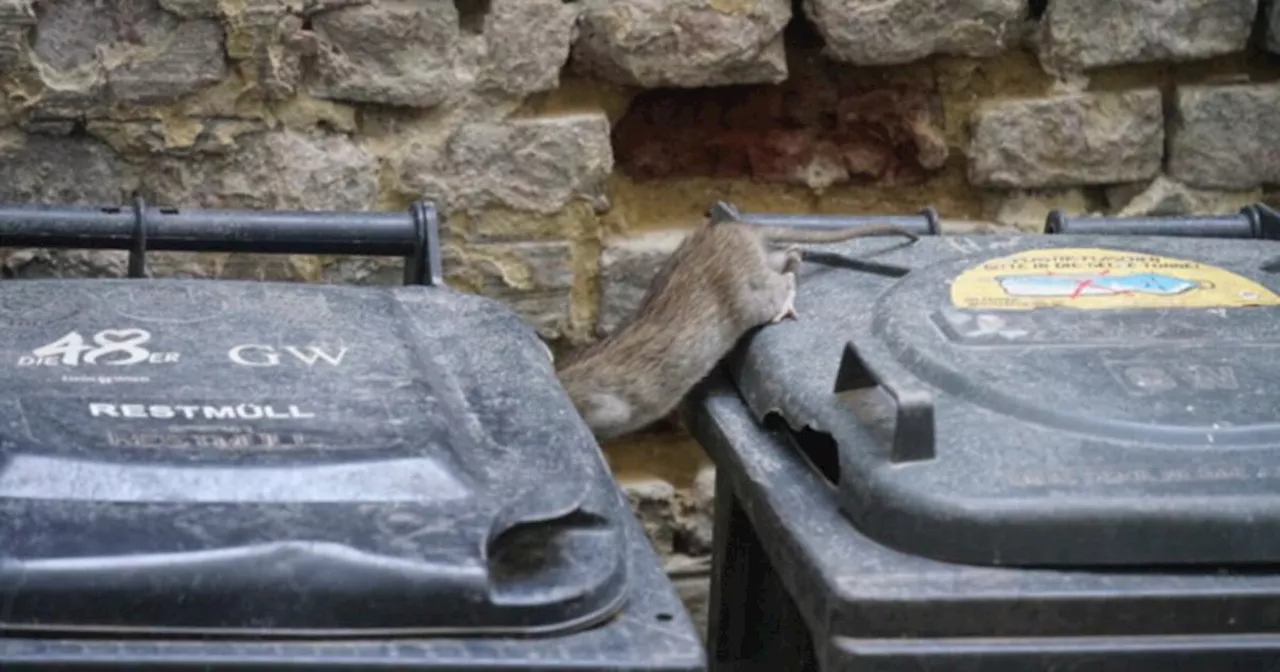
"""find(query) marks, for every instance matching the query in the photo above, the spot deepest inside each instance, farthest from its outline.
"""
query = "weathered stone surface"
(355, 270)
(811, 131)
(677, 522)
(537, 165)
(1026, 210)
(1083, 34)
(627, 267)
(683, 43)
(38, 264)
(534, 279)
(1226, 137)
(191, 59)
(52, 127)
(129, 52)
(1074, 139)
(270, 43)
(396, 52)
(73, 34)
(899, 31)
(268, 267)
(654, 502)
(697, 516)
(528, 43)
(192, 9)
(274, 170)
(1163, 196)
(115, 264)
(17, 17)
(176, 137)
(61, 170)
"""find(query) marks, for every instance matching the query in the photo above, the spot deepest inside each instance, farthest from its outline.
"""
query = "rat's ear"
(721, 211)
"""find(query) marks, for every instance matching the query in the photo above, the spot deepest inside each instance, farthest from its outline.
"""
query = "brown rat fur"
(722, 281)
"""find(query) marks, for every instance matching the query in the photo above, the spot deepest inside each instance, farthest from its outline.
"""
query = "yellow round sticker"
(1098, 279)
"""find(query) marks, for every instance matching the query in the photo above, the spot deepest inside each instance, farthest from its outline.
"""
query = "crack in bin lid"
(1050, 402)
(259, 458)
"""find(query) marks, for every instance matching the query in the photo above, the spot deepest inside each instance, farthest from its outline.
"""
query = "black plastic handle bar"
(1252, 221)
(414, 235)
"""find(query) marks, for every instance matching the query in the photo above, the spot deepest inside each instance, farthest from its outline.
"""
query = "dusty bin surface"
(1005, 453)
(236, 475)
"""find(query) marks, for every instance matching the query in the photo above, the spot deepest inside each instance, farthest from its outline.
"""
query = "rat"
(723, 280)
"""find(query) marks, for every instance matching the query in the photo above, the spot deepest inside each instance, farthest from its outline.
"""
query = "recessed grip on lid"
(913, 433)
(536, 505)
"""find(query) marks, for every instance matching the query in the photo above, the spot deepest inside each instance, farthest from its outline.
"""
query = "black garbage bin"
(998, 453)
(216, 475)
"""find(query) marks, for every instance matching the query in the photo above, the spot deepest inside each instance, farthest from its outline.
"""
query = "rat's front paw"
(789, 303)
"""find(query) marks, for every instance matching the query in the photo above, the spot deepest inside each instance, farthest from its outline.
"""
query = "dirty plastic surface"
(1067, 401)
(866, 606)
(192, 457)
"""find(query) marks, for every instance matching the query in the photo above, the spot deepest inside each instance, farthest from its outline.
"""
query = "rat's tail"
(790, 234)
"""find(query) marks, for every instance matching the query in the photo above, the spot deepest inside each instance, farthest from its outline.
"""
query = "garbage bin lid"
(236, 457)
(1051, 401)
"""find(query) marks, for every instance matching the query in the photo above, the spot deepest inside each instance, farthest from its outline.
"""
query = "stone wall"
(571, 142)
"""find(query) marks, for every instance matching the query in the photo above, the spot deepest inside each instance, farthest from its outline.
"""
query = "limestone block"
(1226, 137)
(1083, 34)
(396, 52)
(534, 279)
(268, 38)
(60, 171)
(271, 170)
(654, 501)
(533, 165)
(628, 266)
(17, 17)
(192, 9)
(879, 32)
(528, 43)
(1026, 210)
(87, 54)
(683, 43)
(189, 60)
(1163, 196)
(1070, 140)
